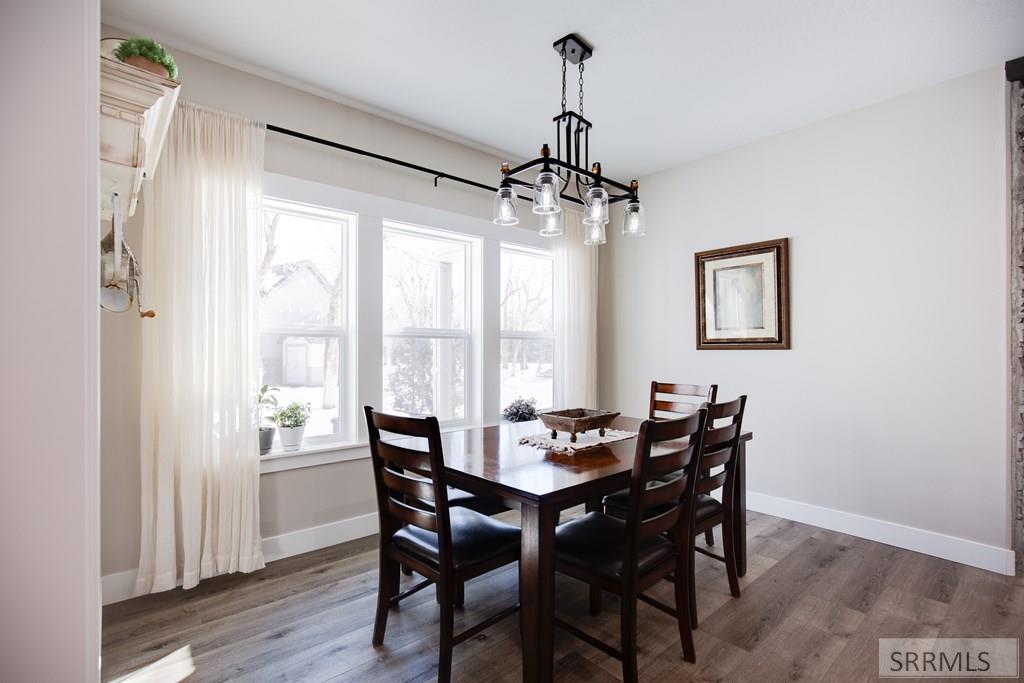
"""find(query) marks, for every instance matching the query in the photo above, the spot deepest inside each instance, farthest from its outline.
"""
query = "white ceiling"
(670, 80)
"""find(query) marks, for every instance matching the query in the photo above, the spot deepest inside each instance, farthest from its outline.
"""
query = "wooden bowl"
(576, 421)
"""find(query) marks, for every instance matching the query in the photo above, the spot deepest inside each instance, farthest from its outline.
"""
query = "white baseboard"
(121, 585)
(316, 537)
(990, 557)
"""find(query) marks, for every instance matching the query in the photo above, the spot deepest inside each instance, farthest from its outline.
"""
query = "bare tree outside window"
(426, 336)
(527, 346)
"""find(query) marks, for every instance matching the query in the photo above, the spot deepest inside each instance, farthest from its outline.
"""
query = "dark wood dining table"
(491, 461)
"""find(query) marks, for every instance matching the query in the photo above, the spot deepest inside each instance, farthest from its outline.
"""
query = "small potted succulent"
(291, 423)
(149, 55)
(521, 410)
(266, 399)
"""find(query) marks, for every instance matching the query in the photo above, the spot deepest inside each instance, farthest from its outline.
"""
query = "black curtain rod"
(380, 157)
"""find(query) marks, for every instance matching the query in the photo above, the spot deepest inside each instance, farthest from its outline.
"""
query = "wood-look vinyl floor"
(814, 604)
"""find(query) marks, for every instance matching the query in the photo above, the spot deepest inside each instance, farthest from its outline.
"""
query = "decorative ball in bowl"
(577, 421)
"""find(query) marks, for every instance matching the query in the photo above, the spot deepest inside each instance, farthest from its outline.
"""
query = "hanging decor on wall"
(743, 296)
(568, 175)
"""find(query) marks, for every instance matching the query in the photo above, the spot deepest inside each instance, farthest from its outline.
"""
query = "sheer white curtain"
(575, 317)
(200, 463)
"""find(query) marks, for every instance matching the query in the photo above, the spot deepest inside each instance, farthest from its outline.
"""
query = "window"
(527, 332)
(426, 322)
(304, 283)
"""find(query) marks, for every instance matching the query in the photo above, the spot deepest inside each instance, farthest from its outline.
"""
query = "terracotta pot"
(142, 63)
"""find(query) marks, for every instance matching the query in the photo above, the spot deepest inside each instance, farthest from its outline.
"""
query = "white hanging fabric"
(575, 317)
(199, 451)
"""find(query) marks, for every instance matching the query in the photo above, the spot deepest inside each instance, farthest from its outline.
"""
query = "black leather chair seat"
(596, 542)
(485, 505)
(475, 538)
(617, 505)
(707, 507)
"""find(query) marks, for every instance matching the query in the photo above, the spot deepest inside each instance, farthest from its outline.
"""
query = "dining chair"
(675, 400)
(628, 556)
(721, 450)
(669, 400)
(447, 545)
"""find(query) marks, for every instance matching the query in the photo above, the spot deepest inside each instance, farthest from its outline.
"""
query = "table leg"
(537, 592)
(739, 511)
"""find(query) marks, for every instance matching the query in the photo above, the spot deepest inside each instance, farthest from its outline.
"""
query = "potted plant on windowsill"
(148, 55)
(291, 424)
(266, 399)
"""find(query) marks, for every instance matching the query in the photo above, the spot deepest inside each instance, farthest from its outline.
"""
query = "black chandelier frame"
(572, 135)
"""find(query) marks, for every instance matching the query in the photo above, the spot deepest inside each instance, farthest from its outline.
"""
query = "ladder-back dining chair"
(447, 545)
(721, 452)
(670, 400)
(628, 556)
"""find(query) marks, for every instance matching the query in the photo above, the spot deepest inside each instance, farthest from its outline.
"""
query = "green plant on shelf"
(147, 49)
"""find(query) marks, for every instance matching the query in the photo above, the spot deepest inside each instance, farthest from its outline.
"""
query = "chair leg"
(627, 625)
(406, 569)
(691, 581)
(460, 593)
(683, 611)
(730, 556)
(387, 588)
(596, 595)
(444, 660)
(709, 537)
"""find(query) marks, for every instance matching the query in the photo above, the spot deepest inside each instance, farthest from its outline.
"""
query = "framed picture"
(743, 296)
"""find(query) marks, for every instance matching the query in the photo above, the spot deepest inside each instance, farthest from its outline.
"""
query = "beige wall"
(49, 343)
(892, 403)
(303, 498)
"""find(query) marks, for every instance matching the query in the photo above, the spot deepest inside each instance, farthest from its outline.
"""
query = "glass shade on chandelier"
(596, 207)
(546, 189)
(552, 224)
(633, 220)
(594, 234)
(506, 211)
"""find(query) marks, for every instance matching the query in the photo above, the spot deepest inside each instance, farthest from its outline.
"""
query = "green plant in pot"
(266, 399)
(147, 54)
(291, 424)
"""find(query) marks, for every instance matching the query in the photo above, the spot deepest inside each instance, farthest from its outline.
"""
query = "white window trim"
(366, 337)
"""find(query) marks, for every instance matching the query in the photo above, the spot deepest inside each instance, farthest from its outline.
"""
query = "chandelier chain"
(581, 90)
(563, 80)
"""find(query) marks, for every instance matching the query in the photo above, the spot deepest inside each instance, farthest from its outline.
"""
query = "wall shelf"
(135, 111)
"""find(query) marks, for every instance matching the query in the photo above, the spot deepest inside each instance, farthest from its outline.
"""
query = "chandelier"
(565, 176)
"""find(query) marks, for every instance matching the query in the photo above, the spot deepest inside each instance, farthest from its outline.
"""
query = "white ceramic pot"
(291, 437)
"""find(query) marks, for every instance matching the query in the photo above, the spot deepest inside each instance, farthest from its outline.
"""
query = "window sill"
(279, 460)
(313, 455)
